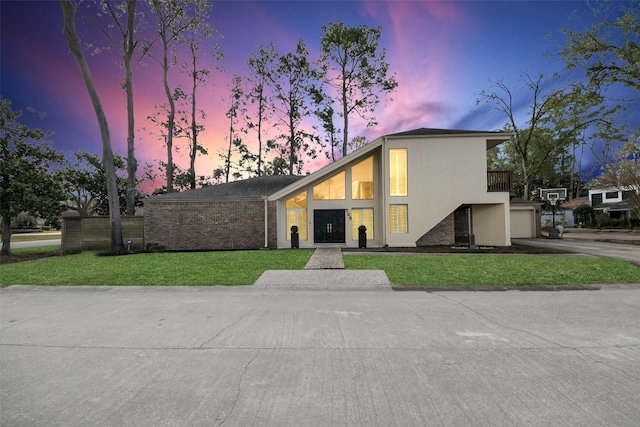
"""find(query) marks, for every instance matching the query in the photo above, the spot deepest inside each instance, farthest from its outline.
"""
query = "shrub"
(584, 215)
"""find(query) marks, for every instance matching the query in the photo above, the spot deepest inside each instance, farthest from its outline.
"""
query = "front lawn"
(489, 270)
(147, 269)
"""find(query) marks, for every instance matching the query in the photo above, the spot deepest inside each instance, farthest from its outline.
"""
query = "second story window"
(331, 189)
(362, 180)
(398, 172)
(611, 195)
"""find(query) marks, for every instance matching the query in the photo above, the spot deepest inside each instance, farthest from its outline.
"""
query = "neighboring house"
(611, 201)
(422, 187)
(564, 212)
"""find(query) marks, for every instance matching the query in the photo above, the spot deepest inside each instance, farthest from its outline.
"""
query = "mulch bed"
(448, 249)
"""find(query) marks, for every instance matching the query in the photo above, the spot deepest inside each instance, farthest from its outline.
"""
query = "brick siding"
(442, 234)
(208, 225)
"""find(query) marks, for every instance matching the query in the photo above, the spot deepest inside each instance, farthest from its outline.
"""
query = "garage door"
(522, 224)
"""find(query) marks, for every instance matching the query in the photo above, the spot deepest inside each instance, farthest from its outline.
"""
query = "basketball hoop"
(554, 196)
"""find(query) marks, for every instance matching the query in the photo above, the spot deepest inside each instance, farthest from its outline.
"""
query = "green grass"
(51, 249)
(244, 268)
(504, 270)
(164, 269)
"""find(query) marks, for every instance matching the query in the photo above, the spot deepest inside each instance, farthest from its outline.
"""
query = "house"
(563, 212)
(612, 201)
(422, 187)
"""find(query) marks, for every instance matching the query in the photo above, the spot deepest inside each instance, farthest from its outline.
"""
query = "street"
(259, 356)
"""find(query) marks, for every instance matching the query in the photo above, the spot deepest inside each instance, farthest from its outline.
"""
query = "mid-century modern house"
(416, 188)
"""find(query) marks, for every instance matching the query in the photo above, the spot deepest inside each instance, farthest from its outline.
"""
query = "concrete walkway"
(325, 259)
(324, 271)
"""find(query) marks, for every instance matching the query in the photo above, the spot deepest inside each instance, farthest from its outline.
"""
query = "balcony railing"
(500, 181)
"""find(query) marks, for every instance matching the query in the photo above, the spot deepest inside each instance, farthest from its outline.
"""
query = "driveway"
(282, 357)
(591, 244)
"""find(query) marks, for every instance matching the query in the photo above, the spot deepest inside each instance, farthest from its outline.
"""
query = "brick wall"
(442, 234)
(208, 225)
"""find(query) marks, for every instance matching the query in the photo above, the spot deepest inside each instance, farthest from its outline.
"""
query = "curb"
(495, 288)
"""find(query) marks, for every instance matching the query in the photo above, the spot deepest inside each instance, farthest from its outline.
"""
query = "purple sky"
(443, 54)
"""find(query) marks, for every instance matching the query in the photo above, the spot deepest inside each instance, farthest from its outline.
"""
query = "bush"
(584, 215)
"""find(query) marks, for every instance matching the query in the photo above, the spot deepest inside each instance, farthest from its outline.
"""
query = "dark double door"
(328, 226)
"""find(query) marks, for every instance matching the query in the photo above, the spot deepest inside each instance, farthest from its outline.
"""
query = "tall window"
(398, 172)
(398, 219)
(362, 217)
(362, 180)
(297, 214)
(332, 188)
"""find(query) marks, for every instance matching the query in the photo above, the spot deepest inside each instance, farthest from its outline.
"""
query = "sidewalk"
(324, 271)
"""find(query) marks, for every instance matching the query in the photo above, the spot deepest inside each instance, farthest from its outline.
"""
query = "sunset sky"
(443, 54)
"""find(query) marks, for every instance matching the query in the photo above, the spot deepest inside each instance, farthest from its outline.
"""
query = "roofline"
(203, 200)
(493, 138)
(327, 170)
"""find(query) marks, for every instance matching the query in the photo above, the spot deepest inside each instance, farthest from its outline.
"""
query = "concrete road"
(258, 357)
(35, 243)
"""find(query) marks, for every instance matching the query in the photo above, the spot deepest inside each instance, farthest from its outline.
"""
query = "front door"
(328, 226)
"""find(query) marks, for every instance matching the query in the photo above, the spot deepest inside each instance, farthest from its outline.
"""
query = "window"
(398, 219)
(611, 195)
(398, 172)
(362, 180)
(331, 189)
(297, 215)
(361, 217)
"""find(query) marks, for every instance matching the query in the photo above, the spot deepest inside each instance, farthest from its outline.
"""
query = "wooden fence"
(94, 233)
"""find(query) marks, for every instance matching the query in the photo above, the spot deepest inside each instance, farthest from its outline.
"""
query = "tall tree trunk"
(345, 112)
(172, 113)
(292, 149)
(71, 34)
(6, 235)
(260, 103)
(194, 126)
(132, 163)
(227, 165)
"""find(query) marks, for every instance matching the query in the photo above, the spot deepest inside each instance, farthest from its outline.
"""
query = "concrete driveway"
(258, 357)
(589, 246)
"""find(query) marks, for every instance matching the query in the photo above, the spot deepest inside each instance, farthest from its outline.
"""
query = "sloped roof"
(614, 206)
(251, 188)
(572, 204)
(439, 132)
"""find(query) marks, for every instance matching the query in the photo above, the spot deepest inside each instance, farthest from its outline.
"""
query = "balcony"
(500, 181)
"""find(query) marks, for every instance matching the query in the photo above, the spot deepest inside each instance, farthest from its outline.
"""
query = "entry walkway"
(325, 259)
(324, 271)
